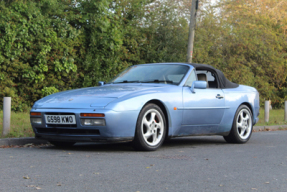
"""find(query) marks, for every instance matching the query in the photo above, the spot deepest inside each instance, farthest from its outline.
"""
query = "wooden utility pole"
(194, 7)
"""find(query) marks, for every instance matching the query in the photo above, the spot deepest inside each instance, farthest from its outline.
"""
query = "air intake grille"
(67, 131)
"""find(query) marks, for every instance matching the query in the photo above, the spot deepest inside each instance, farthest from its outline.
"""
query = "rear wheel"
(151, 129)
(62, 144)
(242, 126)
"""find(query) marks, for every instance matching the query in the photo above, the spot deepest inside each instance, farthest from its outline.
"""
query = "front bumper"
(64, 138)
(120, 126)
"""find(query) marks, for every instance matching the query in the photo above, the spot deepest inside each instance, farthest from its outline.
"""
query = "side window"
(191, 78)
(209, 77)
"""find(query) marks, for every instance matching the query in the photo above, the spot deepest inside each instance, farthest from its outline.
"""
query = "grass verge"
(276, 117)
(21, 127)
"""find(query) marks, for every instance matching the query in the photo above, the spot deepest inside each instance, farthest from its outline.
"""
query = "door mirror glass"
(198, 85)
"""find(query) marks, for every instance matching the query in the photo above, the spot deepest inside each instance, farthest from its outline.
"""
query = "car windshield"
(152, 73)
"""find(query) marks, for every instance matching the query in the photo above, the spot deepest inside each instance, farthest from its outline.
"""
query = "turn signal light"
(92, 115)
(35, 114)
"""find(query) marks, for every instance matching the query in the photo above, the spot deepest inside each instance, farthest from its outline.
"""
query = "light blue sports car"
(147, 104)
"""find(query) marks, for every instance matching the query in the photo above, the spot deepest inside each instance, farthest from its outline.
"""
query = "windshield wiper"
(125, 81)
(158, 81)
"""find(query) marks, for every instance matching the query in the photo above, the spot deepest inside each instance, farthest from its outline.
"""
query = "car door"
(204, 107)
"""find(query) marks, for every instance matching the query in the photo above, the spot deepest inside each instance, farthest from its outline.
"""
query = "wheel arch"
(233, 135)
(250, 108)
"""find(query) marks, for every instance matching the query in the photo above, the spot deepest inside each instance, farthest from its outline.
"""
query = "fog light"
(93, 122)
(36, 120)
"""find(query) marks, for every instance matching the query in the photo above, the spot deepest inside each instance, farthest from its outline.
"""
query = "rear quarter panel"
(233, 99)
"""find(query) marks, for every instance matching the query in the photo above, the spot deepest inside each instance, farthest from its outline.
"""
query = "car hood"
(88, 97)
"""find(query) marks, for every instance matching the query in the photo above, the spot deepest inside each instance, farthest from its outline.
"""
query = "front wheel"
(150, 129)
(242, 126)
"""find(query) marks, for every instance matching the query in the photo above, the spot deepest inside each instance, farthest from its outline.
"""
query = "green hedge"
(53, 45)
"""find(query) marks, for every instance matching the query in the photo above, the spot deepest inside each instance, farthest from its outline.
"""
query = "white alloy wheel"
(152, 127)
(244, 124)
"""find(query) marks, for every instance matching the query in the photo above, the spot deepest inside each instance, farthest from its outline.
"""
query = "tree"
(35, 52)
(247, 44)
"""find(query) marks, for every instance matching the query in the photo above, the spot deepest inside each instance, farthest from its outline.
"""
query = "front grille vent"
(67, 131)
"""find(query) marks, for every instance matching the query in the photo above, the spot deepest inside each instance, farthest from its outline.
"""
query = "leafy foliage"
(247, 44)
(166, 34)
(54, 45)
(49, 90)
(35, 52)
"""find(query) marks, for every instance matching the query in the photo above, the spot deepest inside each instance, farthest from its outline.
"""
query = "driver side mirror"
(101, 83)
(198, 85)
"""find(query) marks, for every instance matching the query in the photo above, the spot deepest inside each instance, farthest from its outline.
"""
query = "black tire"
(150, 129)
(242, 126)
(62, 144)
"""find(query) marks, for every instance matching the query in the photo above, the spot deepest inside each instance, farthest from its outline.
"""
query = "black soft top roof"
(223, 83)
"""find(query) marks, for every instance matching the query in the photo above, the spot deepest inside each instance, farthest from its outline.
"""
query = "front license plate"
(60, 119)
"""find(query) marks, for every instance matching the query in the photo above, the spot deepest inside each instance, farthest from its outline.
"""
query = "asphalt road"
(183, 164)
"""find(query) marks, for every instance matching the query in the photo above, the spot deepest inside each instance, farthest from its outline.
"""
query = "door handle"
(219, 96)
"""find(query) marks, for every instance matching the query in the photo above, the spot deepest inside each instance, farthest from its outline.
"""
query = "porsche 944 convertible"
(147, 104)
